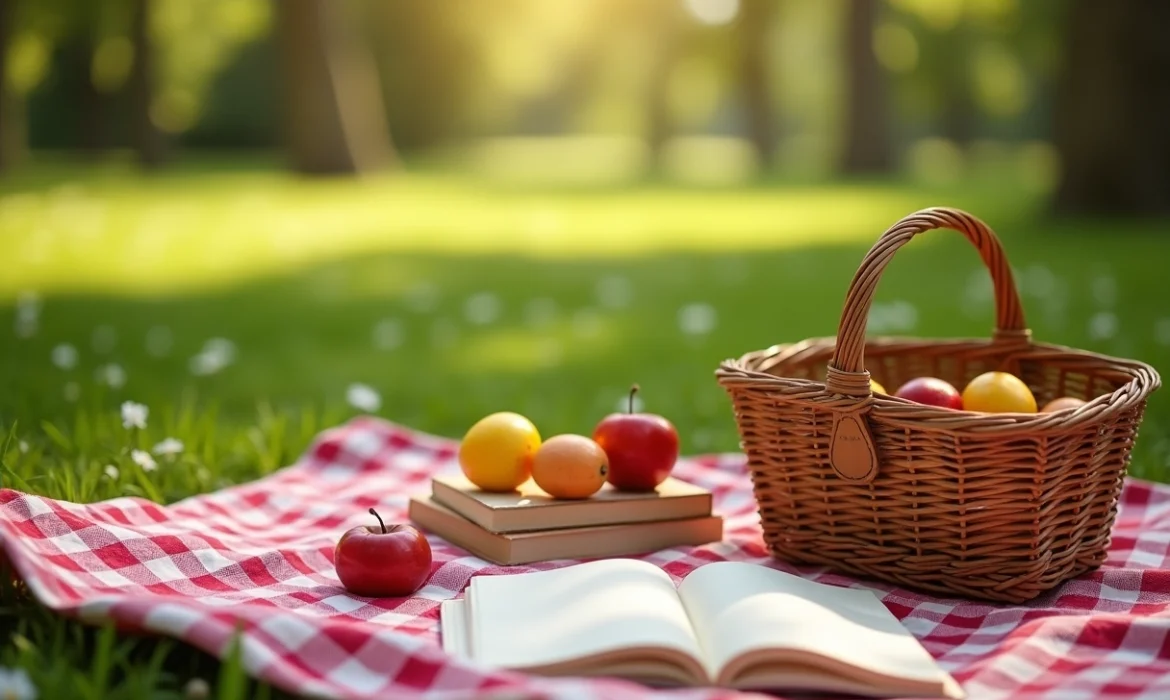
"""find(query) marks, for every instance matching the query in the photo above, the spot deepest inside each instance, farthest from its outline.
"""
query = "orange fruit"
(998, 392)
(1062, 403)
(496, 453)
(570, 466)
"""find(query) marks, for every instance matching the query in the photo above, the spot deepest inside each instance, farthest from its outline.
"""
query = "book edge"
(517, 519)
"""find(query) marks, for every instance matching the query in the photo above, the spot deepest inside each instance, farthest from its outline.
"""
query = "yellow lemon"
(496, 453)
(998, 392)
(876, 388)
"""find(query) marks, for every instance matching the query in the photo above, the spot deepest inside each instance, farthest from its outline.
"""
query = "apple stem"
(375, 514)
(633, 390)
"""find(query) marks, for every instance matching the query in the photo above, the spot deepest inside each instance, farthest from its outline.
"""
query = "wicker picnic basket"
(993, 506)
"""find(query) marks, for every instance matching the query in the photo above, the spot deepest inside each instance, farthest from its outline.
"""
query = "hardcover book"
(530, 508)
(509, 548)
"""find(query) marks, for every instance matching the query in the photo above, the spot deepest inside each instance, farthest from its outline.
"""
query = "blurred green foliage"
(959, 69)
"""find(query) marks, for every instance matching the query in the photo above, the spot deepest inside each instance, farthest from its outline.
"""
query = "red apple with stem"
(642, 448)
(379, 562)
(931, 391)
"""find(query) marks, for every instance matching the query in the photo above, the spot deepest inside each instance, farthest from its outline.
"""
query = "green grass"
(588, 285)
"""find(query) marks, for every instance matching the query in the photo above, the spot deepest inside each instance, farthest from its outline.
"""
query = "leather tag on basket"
(851, 451)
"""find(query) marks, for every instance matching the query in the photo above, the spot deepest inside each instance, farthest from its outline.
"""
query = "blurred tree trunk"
(89, 120)
(958, 107)
(149, 141)
(1111, 124)
(13, 123)
(754, 25)
(658, 121)
(867, 130)
(335, 118)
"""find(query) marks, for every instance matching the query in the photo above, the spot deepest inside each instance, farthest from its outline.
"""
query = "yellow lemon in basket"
(496, 453)
(876, 387)
(998, 392)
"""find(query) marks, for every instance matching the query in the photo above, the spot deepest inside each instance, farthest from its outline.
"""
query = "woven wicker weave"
(992, 506)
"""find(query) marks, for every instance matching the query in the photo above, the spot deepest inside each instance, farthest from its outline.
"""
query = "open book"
(727, 624)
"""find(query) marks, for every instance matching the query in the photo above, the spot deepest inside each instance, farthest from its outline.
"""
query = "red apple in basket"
(642, 448)
(931, 391)
(380, 562)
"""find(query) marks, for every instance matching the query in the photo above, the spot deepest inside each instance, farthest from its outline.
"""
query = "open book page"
(581, 613)
(748, 615)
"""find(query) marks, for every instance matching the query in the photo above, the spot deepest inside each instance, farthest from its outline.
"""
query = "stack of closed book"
(527, 525)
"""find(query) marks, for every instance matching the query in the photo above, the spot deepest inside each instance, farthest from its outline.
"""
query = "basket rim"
(1144, 380)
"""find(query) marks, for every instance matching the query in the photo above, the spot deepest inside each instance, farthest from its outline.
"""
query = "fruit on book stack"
(521, 498)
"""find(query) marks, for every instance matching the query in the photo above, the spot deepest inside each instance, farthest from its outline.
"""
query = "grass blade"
(56, 436)
(233, 681)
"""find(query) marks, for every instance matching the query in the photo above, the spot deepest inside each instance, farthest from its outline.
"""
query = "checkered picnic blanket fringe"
(258, 557)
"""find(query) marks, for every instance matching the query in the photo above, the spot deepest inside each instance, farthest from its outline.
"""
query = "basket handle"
(847, 373)
(852, 452)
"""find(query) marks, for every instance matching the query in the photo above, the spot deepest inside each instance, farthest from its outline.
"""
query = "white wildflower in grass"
(134, 415)
(104, 338)
(72, 391)
(28, 306)
(168, 447)
(895, 316)
(16, 685)
(697, 319)
(23, 446)
(143, 459)
(388, 334)
(1103, 325)
(217, 354)
(540, 312)
(159, 341)
(112, 472)
(196, 689)
(482, 308)
(1104, 289)
(65, 356)
(1162, 331)
(222, 347)
(111, 375)
(203, 365)
(614, 292)
(363, 397)
(1037, 280)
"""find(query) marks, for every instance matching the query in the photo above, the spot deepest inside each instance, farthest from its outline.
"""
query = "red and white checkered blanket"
(259, 556)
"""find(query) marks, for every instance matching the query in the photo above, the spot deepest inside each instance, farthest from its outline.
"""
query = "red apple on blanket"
(382, 562)
(642, 448)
